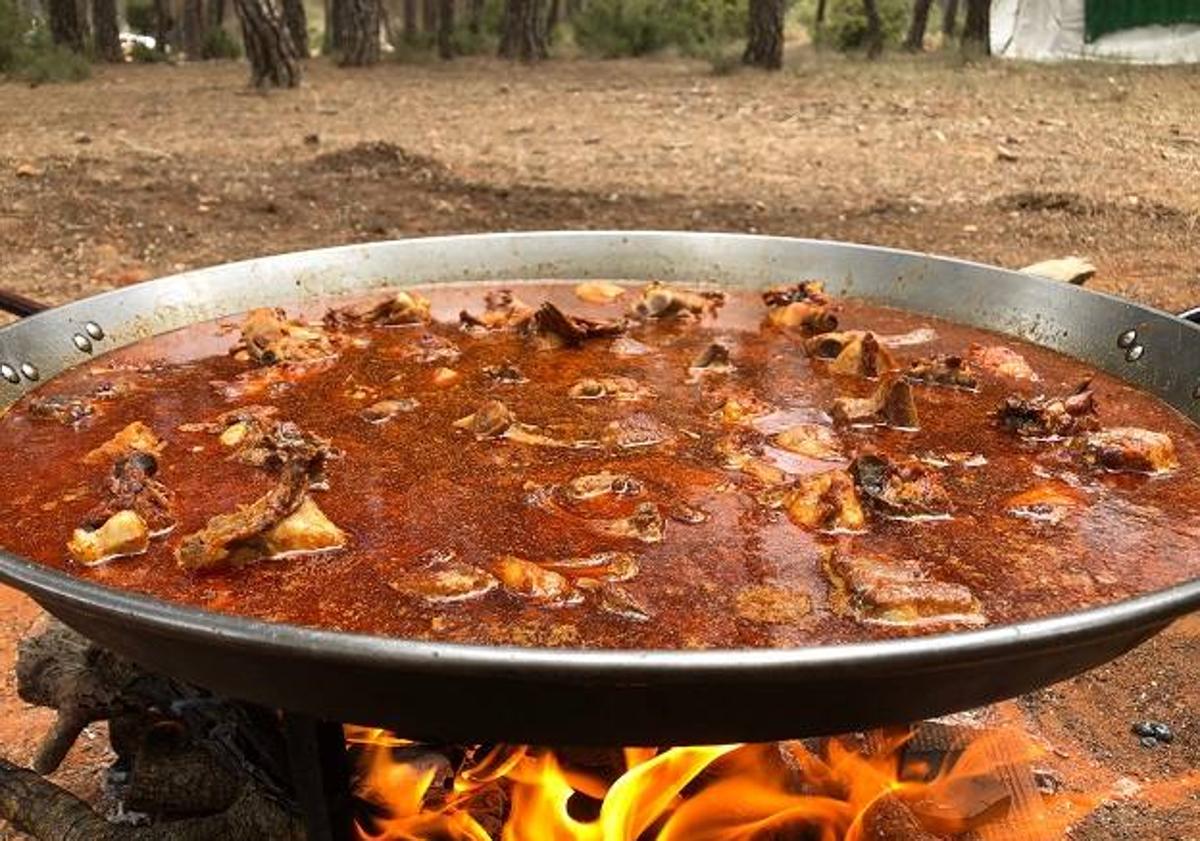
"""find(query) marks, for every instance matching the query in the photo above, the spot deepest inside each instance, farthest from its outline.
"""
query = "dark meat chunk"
(874, 588)
(892, 405)
(830, 346)
(502, 311)
(905, 488)
(864, 357)
(949, 371)
(1003, 361)
(660, 301)
(802, 305)
(1131, 450)
(68, 409)
(715, 358)
(826, 502)
(270, 337)
(556, 328)
(131, 486)
(1045, 417)
(401, 309)
(284, 442)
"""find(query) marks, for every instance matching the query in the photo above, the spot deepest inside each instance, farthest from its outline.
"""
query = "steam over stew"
(603, 465)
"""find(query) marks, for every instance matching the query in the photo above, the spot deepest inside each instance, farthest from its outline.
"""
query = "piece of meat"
(122, 534)
(829, 346)
(609, 388)
(1049, 418)
(502, 311)
(636, 431)
(402, 309)
(660, 301)
(863, 357)
(305, 530)
(772, 604)
(490, 420)
(270, 337)
(599, 291)
(133, 437)
(270, 379)
(825, 502)
(593, 485)
(873, 588)
(615, 599)
(810, 440)
(1049, 502)
(715, 359)
(531, 581)
(445, 377)
(130, 486)
(428, 348)
(442, 579)
(384, 410)
(901, 489)
(283, 442)
(506, 373)
(554, 328)
(740, 409)
(1131, 450)
(1003, 361)
(892, 405)
(645, 524)
(803, 306)
(67, 409)
(627, 346)
(600, 566)
(949, 371)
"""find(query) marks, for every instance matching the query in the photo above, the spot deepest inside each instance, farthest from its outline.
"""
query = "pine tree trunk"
(915, 42)
(521, 34)
(297, 24)
(874, 29)
(975, 29)
(105, 32)
(552, 16)
(429, 9)
(216, 14)
(192, 29)
(764, 35)
(445, 36)
(66, 24)
(410, 21)
(949, 17)
(362, 33)
(475, 24)
(162, 24)
(268, 45)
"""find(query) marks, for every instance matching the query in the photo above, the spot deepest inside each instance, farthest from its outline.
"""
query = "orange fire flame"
(713, 793)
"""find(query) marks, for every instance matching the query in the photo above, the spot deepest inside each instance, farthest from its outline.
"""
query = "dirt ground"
(145, 170)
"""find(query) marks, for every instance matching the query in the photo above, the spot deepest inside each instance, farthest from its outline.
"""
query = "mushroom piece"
(529, 580)
(1049, 418)
(270, 337)
(1130, 450)
(403, 308)
(810, 440)
(1003, 361)
(825, 502)
(948, 371)
(892, 405)
(134, 437)
(122, 534)
(905, 489)
(873, 588)
(802, 305)
(660, 301)
(863, 356)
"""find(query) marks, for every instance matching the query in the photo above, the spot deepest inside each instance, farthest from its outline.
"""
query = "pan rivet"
(29, 371)
(9, 373)
(82, 342)
(1127, 339)
(94, 330)
(1134, 353)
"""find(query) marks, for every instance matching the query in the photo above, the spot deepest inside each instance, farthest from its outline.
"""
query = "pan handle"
(19, 305)
(1192, 314)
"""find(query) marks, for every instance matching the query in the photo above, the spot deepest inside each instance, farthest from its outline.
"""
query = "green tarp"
(1105, 16)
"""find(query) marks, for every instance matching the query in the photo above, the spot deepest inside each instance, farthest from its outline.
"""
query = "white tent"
(1053, 30)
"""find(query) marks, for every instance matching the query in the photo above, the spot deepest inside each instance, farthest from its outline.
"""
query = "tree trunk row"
(764, 34)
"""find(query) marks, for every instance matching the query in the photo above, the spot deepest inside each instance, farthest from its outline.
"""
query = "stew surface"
(659, 470)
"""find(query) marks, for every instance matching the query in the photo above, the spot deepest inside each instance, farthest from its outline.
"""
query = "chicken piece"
(1050, 418)
(506, 373)
(599, 291)
(872, 588)
(863, 357)
(802, 305)
(502, 311)
(270, 337)
(713, 359)
(122, 534)
(771, 604)
(441, 578)
(1003, 361)
(428, 348)
(554, 328)
(1131, 450)
(593, 485)
(306, 529)
(830, 346)
(645, 524)
(742, 409)
(244, 426)
(445, 377)
(529, 580)
(615, 599)
(1050, 502)
(892, 405)
(825, 502)
(600, 566)
(385, 410)
(763, 471)
(609, 388)
(810, 440)
(660, 301)
(900, 489)
(949, 371)
(67, 409)
(403, 308)
(134, 437)
(285, 441)
(491, 420)
(131, 486)
(636, 431)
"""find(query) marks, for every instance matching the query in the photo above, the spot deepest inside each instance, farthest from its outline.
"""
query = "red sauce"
(417, 484)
